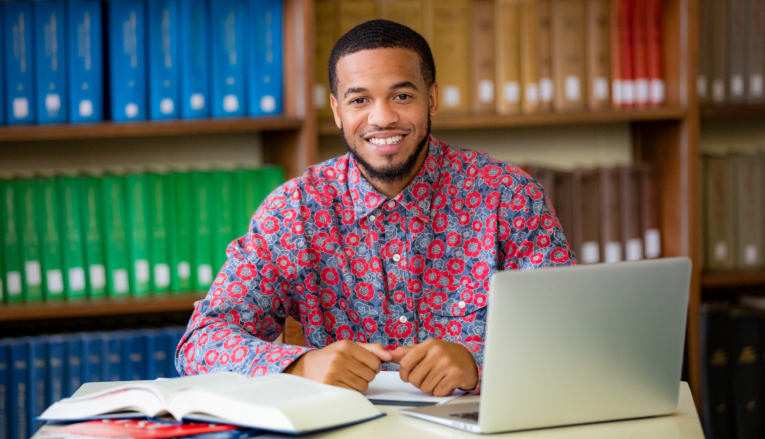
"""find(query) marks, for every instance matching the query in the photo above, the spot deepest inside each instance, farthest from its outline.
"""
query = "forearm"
(476, 350)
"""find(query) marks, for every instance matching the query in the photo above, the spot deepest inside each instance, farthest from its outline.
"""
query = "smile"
(386, 141)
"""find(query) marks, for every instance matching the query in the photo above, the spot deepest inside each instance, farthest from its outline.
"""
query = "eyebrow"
(404, 84)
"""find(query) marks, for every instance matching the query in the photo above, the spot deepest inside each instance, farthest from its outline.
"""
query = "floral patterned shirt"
(349, 263)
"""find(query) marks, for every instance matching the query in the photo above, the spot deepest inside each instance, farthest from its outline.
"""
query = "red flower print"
(232, 342)
(329, 321)
(344, 332)
(348, 217)
(536, 258)
(372, 200)
(488, 242)
(239, 354)
(329, 276)
(492, 200)
(518, 202)
(310, 283)
(559, 256)
(289, 215)
(220, 335)
(454, 328)
(371, 239)
(414, 286)
(480, 270)
(547, 221)
(353, 239)
(399, 296)
(220, 279)
(390, 281)
(457, 204)
(468, 184)
(359, 267)
(473, 200)
(526, 248)
(439, 201)
(416, 225)
(211, 357)
(269, 272)
(365, 291)
(436, 300)
(432, 276)
(455, 266)
(328, 298)
(543, 241)
(370, 325)
(436, 249)
(452, 190)
(308, 258)
(472, 247)
(273, 357)
(360, 337)
(533, 222)
(354, 316)
(286, 242)
(259, 371)
(440, 222)
(533, 191)
(267, 288)
(375, 264)
(246, 272)
(417, 265)
(322, 218)
(479, 299)
(394, 247)
(314, 317)
(270, 225)
(421, 191)
(297, 228)
(401, 330)
(286, 267)
(463, 218)
(236, 290)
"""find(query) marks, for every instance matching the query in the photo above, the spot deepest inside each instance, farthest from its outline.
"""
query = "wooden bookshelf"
(733, 112)
(102, 307)
(477, 121)
(733, 279)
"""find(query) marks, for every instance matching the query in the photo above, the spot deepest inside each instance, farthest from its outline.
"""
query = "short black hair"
(382, 34)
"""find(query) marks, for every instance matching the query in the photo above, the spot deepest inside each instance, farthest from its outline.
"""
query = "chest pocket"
(462, 303)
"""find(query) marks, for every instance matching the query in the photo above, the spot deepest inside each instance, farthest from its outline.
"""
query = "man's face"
(383, 108)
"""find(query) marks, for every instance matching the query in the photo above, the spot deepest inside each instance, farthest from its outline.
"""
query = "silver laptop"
(575, 345)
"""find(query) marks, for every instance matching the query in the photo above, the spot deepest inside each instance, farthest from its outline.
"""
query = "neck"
(391, 189)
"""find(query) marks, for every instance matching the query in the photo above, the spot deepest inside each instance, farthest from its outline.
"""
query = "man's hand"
(437, 366)
(344, 364)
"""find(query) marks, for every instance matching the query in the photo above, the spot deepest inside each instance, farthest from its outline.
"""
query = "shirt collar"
(366, 198)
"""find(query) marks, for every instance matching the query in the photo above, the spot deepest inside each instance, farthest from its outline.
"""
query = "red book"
(640, 51)
(657, 93)
(132, 428)
(616, 47)
(626, 51)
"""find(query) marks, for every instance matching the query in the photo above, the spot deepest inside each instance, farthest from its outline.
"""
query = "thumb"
(399, 353)
(378, 350)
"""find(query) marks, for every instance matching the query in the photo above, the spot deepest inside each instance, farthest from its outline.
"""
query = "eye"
(402, 97)
(358, 101)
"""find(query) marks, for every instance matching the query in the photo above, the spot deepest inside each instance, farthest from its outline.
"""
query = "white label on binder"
(52, 102)
(34, 275)
(197, 101)
(737, 85)
(97, 275)
(573, 88)
(628, 92)
(161, 275)
(131, 110)
(658, 94)
(590, 252)
(319, 96)
(204, 274)
(613, 252)
(86, 108)
(718, 91)
(76, 279)
(721, 250)
(616, 92)
(55, 280)
(546, 90)
(750, 254)
(184, 270)
(451, 96)
(634, 249)
(532, 94)
(14, 282)
(166, 106)
(641, 91)
(267, 104)
(1, 295)
(486, 91)
(652, 243)
(230, 103)
(121, 284)
(755, 86)
(600, 88)
(20, 108)
(701, 86)
(142, 270)
(512, 92)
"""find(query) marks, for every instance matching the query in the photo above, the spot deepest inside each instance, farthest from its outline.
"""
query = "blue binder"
(173, 335)
(37, 381)
(164, 57)
(74, 363)
(92, 357)
(5, 374)
(134, 356)
(86, 63)
(19, 379)
(264, 58)
(50, 62)
(2, 64)
(228, 53)
(127, 60)
(112, 356)
(56, 369)
(157, 358)
(19, 63)
(195, 73)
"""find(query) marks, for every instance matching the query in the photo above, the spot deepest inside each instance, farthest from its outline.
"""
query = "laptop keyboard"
(470, 416)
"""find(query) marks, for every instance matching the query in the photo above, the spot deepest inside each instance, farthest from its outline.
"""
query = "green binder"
(158, 195)
(223, 214)
(203, 250)
(179, 215)
(92, 226)
(251, 195)
(30, 242)
(115, 236)
(48, 225)
(136, 194)
(75, 282)
(11, 242)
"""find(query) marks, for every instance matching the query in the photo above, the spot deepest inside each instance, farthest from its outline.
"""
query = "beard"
(393, 172)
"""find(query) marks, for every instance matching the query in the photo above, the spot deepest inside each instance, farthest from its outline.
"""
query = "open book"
(283, 403)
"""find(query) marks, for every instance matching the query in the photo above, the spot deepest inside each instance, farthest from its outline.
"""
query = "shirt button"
(461, 304)
(402, 319)
(391, 204)
(371, 218)
(396, 258)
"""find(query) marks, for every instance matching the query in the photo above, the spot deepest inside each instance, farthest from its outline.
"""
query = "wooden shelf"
(102, 307)
(471, 121)
(107, 130)
(733, 112)
(733, 279)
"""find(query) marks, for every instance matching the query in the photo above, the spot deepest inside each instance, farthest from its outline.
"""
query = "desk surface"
(684, 424)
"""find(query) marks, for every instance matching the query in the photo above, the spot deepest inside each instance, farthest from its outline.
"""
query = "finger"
(399, 353)
(377, 349)
(432, 380)
(353, 381)
(420, 372)
(364, 356)
(343, 385)
(409, 361)
(361, 370)
(445, 387)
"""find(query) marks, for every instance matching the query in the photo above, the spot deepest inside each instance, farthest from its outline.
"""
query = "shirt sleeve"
(533, 236)
(233, 329)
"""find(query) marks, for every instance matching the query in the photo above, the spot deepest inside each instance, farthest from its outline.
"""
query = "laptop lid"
(583, 344)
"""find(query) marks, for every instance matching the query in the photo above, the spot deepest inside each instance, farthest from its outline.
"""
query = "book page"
(387, 386)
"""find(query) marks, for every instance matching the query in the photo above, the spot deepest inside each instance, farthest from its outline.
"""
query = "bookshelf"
(728, 112)
(733, 279)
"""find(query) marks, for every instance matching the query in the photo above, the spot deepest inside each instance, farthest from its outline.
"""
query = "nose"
(382, 114)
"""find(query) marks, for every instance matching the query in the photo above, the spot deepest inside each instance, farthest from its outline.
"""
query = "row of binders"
(734, 215)
(732, 55)
(81, 60)
(77, 237)
(35, 372)
(733, 369)
(513, 56)
(607, 214)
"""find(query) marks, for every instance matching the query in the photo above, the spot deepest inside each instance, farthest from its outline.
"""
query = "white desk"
(682, 425)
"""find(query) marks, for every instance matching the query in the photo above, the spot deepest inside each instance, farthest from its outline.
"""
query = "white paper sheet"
(387, 386)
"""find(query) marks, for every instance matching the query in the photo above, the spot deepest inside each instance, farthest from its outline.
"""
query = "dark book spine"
(717, 413)
(746, 341)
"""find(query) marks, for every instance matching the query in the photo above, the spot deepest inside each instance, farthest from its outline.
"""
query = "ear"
(433, 100)
(335, 110)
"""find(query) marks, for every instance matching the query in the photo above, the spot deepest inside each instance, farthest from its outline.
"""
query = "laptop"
(576, 345)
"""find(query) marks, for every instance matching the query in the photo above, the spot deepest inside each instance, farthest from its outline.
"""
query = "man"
(384, 254)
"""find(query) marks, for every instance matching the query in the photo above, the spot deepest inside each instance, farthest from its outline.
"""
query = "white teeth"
(387, 141)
